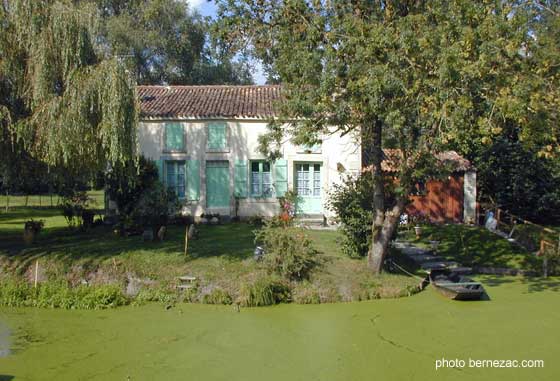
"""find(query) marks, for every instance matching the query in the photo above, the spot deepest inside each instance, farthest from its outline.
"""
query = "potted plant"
(31, 229)
(418, 219)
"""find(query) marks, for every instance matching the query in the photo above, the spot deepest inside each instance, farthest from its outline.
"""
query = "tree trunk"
(382, 236)
(373, 141)
(384, 223)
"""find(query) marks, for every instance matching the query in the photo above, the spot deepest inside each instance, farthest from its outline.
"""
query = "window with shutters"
(175, 177)
(261, 179)
(174, 137)
(217, 137)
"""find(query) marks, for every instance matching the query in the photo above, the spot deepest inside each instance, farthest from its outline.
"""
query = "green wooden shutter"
(281, 172)
(161, 175)
(240, 178)
(217, 137)
(174, 137)
(192, 177)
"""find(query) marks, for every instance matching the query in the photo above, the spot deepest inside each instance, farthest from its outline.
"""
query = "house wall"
(338, 155)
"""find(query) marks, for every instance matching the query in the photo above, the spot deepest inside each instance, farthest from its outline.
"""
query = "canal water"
(398, 339)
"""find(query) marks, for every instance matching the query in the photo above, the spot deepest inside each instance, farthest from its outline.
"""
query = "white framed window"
(261, 179)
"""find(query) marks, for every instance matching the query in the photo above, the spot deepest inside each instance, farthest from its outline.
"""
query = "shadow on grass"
(234, 241)
(534, 284)
(477, 247)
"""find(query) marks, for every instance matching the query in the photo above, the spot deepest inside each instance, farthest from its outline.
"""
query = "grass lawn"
(46, 200)
(476, 246)
(221, 257)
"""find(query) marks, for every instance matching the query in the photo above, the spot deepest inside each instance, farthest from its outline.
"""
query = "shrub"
(74, 210)
(156, 294)
(217, 296)
(34, 225)
(264, 291)
(156, 205)
(306, 293)
(288, 251)
(15, 293)
(125, 184)
(352, 201)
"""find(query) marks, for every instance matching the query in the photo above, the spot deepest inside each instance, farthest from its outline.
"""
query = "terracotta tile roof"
(208, 101)
(392, 157)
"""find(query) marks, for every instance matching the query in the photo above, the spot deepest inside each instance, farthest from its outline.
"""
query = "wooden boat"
(453, 284)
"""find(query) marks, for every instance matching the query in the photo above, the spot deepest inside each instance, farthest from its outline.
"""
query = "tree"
(63, 101)
(420, 75)
(163, 42)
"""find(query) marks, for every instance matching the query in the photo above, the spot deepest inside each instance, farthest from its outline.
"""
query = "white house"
(205, 142)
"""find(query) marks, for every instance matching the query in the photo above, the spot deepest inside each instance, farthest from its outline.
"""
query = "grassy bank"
(221, 259)
(475, 246)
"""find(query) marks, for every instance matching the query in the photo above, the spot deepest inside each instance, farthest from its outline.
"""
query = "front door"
(217, 184)
(308, 187)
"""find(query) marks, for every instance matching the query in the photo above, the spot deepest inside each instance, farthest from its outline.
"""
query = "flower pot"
(418, 231)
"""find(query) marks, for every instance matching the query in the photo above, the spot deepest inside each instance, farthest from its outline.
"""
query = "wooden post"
(498, 217)
(36, 271)
(186, 240)
(545, 266)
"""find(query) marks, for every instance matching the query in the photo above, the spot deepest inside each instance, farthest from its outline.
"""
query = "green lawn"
(46, 200)
(476, 246)
(221, 257)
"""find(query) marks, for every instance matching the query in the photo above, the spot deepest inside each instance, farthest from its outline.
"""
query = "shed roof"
(392, 158)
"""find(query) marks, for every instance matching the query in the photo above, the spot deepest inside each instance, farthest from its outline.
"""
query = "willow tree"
(416, 75)
(60, 99)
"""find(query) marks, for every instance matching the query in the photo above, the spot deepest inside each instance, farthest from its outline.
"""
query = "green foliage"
(305, 293)
(64, 101)
(125, 184)
(59, 295)
(156, 294)
(419, 76)
(155, 205)
(163, 41)
(264, 291)
(352, 201)
(34, 225)
(289, 252)
(518, 180)
(74, 208)
(217, 296)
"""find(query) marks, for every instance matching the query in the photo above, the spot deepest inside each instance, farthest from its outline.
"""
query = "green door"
(217, 184)
(308, 187)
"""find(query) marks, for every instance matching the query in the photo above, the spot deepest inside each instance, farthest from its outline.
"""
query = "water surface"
(380, 340)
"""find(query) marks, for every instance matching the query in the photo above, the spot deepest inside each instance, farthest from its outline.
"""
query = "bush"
(264, 291)
(153, 294)
(34, 226)
(288, 251)
(74, 209)
(217, 296)
(15, 293)
(156, 205)
(125, 184)
(352, 201)
(306, 293)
